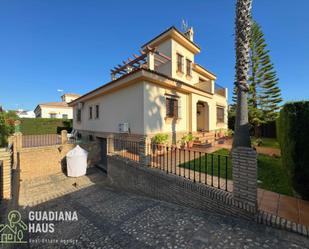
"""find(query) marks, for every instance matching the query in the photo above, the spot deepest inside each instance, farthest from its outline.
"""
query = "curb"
(275, 221)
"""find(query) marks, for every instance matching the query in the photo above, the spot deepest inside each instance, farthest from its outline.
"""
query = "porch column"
(192, 113)
(150, 61)
(244, 162)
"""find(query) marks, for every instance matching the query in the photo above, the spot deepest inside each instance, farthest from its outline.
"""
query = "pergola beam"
(139, 61)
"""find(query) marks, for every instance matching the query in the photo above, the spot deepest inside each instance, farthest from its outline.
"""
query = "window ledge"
(172, 118)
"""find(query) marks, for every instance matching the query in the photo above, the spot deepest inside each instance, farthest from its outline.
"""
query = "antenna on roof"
(184, 25)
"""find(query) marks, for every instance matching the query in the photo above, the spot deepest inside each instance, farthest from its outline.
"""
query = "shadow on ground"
(113, 218)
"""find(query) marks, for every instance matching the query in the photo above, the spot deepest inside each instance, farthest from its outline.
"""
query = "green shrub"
(160, 138)
(293, 136)
(231, 120)
(7, 127)
(189, 137)
(33, 126)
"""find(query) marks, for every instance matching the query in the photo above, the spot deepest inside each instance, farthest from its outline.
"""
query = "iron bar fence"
(40, 140)
(213, 169)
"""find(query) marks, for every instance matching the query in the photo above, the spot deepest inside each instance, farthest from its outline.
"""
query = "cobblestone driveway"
(110, 218)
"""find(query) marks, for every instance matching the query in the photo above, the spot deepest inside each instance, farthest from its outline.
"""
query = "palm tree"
(242, 46)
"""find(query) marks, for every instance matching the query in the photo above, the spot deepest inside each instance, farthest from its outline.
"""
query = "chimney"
(189, 34)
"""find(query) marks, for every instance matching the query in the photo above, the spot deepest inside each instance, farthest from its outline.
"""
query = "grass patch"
(273, 176)
(204, 164)
(271, 173)
(267, 142)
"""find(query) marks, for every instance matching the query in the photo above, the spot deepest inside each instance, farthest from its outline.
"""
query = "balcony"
(220, 90)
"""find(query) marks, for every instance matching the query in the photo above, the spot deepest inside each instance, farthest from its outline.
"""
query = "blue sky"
(73, 44)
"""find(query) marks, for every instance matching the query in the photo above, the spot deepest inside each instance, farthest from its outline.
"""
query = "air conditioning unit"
(124, 127)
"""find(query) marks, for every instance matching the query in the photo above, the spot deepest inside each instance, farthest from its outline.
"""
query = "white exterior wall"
(46, 111)
(222, 101)
(125, 105)
(178, 48)
(155, 110)
(143, 106)
(212, 110)
(165, 48)
(171, 48)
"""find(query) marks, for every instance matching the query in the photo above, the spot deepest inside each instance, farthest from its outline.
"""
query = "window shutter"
(175, 106)
(167, 104)
(179, 108)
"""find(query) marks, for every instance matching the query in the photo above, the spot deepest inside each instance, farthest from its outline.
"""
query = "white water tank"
(77, 162)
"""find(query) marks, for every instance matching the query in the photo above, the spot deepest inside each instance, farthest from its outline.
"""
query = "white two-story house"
(161, 90)
(57, 109)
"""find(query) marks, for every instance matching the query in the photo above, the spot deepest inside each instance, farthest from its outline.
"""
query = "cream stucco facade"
(142, 97)
(54, 112)
(57, 109)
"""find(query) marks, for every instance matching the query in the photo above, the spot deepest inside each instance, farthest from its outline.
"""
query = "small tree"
(7, 120)
(264, 95)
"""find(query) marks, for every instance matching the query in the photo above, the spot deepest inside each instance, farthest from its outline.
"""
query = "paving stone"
(110, 218)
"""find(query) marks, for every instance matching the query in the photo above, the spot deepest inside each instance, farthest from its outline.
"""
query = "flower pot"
(190, 144)
(221, 134)
(159, 149)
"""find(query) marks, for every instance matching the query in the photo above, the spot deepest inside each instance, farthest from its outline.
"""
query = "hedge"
(293, 136)
(33, 126)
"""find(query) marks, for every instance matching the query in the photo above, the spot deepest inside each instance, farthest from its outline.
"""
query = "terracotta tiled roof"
(59, 104)
(72, 94)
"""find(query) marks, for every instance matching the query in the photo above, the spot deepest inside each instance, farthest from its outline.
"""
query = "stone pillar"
(18, 141)
(144, 155)
(5, 163)
(64, 136)
(244, 163)
(110, 145)
(17, 145)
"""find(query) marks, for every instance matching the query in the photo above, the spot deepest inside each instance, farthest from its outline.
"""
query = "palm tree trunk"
(242, 44)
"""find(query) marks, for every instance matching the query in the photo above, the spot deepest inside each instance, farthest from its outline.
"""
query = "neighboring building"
(25, 114)
(57, 109)
(160, 91)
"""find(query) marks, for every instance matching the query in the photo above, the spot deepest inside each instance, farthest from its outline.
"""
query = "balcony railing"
(220, 90)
